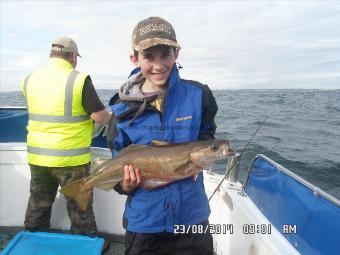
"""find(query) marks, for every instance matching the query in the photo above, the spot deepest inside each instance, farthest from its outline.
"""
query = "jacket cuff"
(119, 189)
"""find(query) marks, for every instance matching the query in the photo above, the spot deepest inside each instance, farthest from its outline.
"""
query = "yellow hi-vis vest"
(59, 129)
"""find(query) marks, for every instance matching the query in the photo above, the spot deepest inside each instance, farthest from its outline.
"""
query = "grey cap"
(151, 32)
(65, 44)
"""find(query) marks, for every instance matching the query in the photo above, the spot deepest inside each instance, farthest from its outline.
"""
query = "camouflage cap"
(65, 44)
(151, 32)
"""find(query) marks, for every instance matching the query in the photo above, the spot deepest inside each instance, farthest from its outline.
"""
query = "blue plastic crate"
(41, 243)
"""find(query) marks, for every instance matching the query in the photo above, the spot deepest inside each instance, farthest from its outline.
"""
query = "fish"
(159, 163)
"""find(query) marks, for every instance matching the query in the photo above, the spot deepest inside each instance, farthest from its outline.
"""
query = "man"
(62, 105)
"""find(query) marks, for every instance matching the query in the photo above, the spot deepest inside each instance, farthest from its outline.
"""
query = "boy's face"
(156, 64)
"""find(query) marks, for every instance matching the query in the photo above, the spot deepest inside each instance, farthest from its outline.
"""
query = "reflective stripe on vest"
(58, 152)
(57, 119)
(67, 118)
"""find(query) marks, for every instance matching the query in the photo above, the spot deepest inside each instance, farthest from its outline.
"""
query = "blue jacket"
(188, 115)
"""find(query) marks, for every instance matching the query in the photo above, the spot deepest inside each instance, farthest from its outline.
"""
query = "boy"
(156, 104)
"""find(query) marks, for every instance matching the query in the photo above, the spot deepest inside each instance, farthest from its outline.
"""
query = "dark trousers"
(43, 189)
(168, 244)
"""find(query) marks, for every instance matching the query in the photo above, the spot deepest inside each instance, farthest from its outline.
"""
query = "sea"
(301, 131)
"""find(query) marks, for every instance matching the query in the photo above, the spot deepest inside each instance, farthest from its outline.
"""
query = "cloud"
(27, 62)
(226, 44)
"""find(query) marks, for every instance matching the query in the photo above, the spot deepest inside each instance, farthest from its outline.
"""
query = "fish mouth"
(226, 152)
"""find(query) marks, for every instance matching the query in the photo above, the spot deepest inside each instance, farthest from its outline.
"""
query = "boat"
(273, 211)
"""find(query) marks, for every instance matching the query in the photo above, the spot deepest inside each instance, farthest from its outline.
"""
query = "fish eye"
(214, 147)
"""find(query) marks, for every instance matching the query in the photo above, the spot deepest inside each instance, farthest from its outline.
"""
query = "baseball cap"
(151, 32)
(65, 44)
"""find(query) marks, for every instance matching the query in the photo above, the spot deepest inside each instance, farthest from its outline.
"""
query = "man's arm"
(101, 117)
(92, 104)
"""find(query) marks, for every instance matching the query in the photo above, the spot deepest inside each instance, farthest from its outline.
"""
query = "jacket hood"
(131, 89)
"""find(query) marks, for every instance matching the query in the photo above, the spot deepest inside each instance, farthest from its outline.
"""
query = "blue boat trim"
(308, 217)
(13, 123)
(316, 190)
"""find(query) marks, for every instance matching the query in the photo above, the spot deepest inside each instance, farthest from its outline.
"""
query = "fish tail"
(77, 191)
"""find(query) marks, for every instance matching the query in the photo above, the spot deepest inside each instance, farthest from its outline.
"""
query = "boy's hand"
(132, 179)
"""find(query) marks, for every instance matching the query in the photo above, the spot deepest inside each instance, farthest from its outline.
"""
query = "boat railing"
(233, 167)
(316, 190)
(13, 107)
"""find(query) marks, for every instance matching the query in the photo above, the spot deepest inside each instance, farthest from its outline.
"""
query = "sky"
(225, 44)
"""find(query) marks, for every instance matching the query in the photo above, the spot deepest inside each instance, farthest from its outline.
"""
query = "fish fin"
(95, 163)
(160, 143)
(133, 147)
(76, 191)
(107, 185)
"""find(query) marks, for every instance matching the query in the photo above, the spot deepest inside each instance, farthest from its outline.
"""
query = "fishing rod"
(236, 161)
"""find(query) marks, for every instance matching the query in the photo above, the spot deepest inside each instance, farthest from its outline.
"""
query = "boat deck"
(116, 247)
